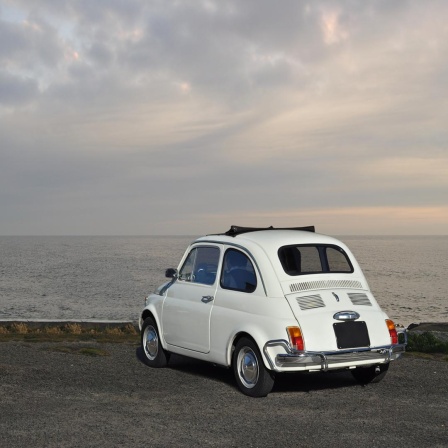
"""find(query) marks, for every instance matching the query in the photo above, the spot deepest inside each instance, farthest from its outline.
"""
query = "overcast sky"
(127, 117)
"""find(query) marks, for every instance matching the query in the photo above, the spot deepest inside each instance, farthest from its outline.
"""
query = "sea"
(108, 277)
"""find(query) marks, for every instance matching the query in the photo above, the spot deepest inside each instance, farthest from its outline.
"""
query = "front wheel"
(251, 375)
(154, 354)
(371, 374)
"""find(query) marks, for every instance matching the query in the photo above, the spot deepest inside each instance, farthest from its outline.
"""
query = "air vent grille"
(325, 284)
(309, 302)
(359, 298)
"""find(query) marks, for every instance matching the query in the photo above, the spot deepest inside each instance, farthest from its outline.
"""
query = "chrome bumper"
(334, 359)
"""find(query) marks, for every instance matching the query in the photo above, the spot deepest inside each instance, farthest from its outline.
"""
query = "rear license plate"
(351, 334)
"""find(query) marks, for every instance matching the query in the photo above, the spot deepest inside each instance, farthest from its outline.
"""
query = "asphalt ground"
(59, 395)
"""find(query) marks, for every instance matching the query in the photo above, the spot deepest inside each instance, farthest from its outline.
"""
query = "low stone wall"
(85, 324)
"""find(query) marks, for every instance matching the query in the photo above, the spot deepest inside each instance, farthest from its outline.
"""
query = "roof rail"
(238, 230)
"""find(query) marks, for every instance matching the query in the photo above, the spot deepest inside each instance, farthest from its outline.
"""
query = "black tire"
(153, 353)
(371, 374)
(252, 377)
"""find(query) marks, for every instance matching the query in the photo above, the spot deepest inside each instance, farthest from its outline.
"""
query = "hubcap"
(151, 342)
(247, 367)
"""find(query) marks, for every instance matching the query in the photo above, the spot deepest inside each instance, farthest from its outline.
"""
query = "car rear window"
(314, 259)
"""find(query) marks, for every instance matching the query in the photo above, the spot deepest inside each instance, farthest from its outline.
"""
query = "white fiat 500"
(270, 300)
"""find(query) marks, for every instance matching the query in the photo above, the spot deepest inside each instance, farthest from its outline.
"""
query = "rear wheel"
(251, 375)
(371, 374)
(154, 354)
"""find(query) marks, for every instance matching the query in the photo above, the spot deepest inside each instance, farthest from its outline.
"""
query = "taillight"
(392, 331)
(296, 338)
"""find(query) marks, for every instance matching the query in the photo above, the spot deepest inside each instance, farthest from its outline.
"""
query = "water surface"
(104, 277)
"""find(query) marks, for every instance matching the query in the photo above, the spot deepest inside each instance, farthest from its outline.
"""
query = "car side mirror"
(171, 273)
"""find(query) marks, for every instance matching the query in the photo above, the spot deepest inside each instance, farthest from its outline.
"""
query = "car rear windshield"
(314, 259)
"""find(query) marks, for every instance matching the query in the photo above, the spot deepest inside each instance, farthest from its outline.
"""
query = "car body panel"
(186, 316)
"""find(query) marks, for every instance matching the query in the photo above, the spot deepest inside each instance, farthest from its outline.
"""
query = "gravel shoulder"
(56, 395)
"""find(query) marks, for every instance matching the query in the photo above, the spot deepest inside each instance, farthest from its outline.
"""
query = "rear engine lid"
(328, 318)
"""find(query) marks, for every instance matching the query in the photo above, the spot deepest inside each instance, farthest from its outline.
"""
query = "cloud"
(204, 109)
(15, 91)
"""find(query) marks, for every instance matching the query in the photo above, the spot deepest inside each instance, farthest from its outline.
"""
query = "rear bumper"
(324, 361)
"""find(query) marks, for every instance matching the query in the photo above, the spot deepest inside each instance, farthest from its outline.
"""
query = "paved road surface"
(49, 398)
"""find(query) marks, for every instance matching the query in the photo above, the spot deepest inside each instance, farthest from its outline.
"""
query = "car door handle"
(207, 299)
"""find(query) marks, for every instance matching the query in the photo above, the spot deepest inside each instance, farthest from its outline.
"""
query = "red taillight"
(295, 338)
(392, 331)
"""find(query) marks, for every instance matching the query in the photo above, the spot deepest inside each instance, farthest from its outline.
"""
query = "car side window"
(186, 271)
(238, 272)
(200, 266)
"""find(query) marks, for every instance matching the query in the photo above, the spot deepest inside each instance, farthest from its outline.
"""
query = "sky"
(147, 117)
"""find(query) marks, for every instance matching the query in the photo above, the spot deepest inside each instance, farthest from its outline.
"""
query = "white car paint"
(202, 321)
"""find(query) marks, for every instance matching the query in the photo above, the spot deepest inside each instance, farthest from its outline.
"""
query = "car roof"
(271, 239)
(263, 246)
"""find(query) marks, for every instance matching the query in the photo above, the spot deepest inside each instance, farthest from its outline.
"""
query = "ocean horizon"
(106, 277)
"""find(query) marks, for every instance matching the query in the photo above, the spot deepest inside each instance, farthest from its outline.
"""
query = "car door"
(189, 301)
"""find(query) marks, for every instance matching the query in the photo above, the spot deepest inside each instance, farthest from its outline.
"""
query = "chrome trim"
(346, 315)
(150, 342)
(247, 367)
(325, 360)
